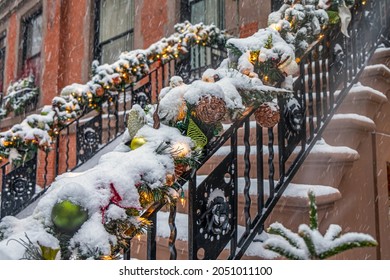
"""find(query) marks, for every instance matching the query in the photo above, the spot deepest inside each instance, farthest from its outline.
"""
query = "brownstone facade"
(68, 35)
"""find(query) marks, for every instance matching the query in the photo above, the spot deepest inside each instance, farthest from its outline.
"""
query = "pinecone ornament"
(267, 115)
(210, 109)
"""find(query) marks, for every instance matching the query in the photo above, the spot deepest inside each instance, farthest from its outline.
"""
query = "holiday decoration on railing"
(264, 55)
(19, 96)
(110, 198)
(77, 98)
(309, 243)
(299, 22)
(339, 11)
(267, 115)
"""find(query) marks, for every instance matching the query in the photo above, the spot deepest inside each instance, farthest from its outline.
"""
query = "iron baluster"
(345, 77)
(173, 233)
(247, 169)
(302, 91)
(324, 69)
(310, 95)
(191, 216)
(163, 75)
(116, 102)
(108, 119)
(271, 166)
(151, 239)
(127, 252)
(124, 105)
(67, 149)
(318, 88)
(57, 161)
(45, 169)
(234, 196)
(260, 171)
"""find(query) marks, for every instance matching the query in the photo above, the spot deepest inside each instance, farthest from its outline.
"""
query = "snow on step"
(255, 249)
(293, 190)
(319, 148)
(352, 116)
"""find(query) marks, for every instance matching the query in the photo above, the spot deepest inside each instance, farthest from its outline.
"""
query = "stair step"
(255, 251)
(325, 164)
(294, 197)
(378, 77)
(381, 56)
(348, 130)
(362, 100)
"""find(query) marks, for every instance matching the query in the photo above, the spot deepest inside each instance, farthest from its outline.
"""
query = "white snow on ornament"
(262, 57)
(232, 97)
(176, 81)
(171, 104)
(93, 236)
(208, 75)
(13, 228)
(163, 134)
(199, 89)
(244, 65)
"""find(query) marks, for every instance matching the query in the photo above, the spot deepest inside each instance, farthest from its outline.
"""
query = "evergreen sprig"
(309, 243)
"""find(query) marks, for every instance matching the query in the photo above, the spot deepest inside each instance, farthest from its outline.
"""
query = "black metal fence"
(328, 71)
(81, 139)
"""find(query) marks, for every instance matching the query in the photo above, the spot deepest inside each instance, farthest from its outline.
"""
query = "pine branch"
(346, 246)
(281, 250)
(279, 229)
(306, 233)
(333, 232)
(313, 211)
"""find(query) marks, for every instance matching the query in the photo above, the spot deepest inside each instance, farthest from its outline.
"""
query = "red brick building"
(57, 40)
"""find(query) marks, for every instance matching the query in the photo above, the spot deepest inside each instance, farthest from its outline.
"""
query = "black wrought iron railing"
(328, 70)
(81, 139)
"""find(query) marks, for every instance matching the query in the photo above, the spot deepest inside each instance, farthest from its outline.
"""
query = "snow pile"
(105, 191)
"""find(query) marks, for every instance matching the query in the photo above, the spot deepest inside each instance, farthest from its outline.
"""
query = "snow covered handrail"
(76, 99)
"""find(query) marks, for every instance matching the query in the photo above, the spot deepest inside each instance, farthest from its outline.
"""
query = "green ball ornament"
(137, 142)
(68, 217)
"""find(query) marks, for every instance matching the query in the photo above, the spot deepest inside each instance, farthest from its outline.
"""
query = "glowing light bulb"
(180, 149)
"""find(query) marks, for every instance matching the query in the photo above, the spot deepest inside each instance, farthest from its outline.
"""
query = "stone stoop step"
(293, 202)
(325, 164)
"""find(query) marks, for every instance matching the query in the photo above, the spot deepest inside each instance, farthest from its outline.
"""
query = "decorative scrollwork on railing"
(213, 210)
(89, 137)
(339, 56)
(216, 216)
(294, 117)
(18, 187)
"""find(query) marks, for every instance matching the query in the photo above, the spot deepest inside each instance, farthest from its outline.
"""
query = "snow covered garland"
(109, 199)
(36, 130)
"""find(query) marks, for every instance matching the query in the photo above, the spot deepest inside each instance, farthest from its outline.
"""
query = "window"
(2, 61)
(32, 46)
(208, 12)
(201, 58)
(114, 29)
